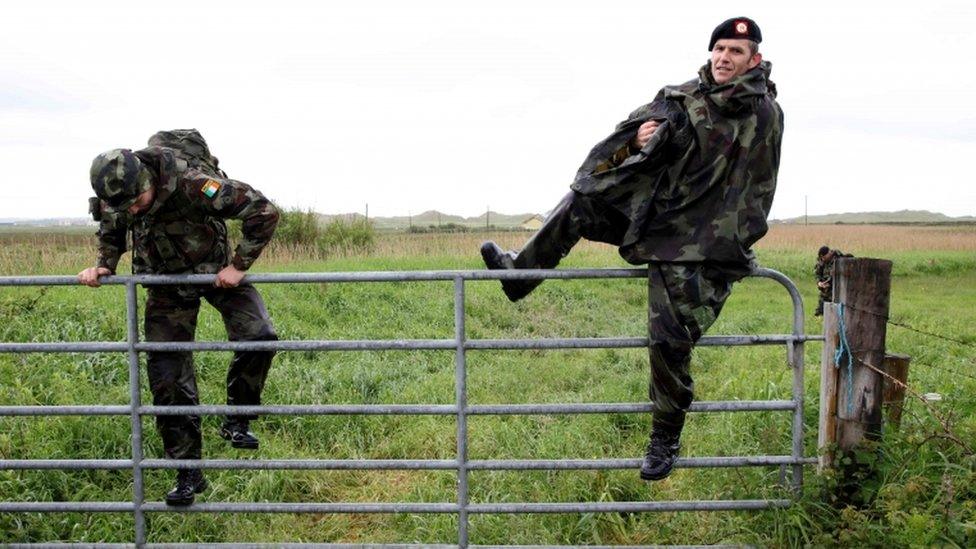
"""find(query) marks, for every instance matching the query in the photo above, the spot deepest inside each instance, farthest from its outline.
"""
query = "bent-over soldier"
(175, 214)
(824, 271)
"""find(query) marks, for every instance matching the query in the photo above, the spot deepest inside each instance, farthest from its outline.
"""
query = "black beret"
(823, 251)
(737, 27)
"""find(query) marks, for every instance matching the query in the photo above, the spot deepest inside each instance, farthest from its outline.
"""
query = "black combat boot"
(189, 482)
(236, 431)
(662, 450)
(498, 259)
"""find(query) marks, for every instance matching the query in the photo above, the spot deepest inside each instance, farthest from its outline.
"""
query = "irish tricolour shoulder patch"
(210, 188)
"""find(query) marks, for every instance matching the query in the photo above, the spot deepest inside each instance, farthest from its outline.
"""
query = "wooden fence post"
(852, 394)
(827, 431)
(895, 365)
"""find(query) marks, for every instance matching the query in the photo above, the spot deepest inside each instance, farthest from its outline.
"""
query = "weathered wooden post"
(854, 327)
(827, 431)
(896, 366)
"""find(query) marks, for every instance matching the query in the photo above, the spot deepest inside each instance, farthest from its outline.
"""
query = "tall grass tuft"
(301, 235)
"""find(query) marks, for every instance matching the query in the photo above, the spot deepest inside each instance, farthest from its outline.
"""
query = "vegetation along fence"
(460, 345)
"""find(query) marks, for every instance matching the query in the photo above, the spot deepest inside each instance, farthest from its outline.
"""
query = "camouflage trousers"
(575, 217)
(826, 296)
(684, 298)
(171, 315)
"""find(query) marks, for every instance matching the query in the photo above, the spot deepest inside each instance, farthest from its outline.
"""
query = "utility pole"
(806, 220)
(367, 211)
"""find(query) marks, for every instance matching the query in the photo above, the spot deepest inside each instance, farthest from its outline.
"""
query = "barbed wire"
(923, 332)
(948, 369)
(917, 362)
(906, 326)
(947, 431)
(943, 422)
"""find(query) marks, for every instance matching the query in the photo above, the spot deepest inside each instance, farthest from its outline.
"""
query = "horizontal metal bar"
(628, 506)
(603, 408)
(360, 276)
(758, 339)
(247, 507)
(229, 545)
(408, 546)
(81, 410)
(66, 545)
(390, 464)
(67, 507)
(315, 545)
(64, 464)
(394, 409)
(65, 347)
(341, 508)
(302, 464)
(254, 507)
(391, 345)
(396, 546)
(348, 345)
(562, 343)
(297, 410)
(607, 464)
(739, 546)
(627, 342)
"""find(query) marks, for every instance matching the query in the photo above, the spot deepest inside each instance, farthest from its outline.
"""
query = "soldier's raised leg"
(682, 304)
(575, 217)
(171, 315)
(246, 319)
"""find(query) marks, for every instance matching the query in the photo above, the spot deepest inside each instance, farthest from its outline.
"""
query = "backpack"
(190, 146)
(187, 145)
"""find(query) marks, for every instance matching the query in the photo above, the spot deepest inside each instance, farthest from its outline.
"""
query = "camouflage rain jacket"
(700, 190)
(184, 230)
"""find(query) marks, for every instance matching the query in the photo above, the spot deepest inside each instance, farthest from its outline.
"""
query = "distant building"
(532, 223)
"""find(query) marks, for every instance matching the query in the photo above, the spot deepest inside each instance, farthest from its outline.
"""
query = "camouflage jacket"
(824, 269)
(184, 230)
(700, 190)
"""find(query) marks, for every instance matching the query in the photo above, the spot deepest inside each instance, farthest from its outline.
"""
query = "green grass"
(922, 495)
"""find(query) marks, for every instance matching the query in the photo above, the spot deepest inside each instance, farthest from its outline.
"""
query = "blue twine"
(842, 348)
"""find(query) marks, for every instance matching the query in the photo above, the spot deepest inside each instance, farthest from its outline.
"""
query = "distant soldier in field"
(685, 185)
(173, 200)
(824, 271)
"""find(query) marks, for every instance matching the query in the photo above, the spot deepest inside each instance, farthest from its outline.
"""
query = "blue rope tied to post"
(842, 348)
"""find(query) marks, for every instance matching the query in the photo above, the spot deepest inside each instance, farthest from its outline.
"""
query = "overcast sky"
(457, 106)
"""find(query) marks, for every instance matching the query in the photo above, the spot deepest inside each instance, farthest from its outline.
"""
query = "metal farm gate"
(460, 344)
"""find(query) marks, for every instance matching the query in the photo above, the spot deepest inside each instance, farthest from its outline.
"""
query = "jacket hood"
(739, 95)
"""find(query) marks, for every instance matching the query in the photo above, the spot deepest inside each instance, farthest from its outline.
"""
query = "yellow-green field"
(923, 494)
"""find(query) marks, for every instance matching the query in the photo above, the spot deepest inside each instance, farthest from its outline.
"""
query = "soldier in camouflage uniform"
(824, 271)
(684, 184)
(174, 204)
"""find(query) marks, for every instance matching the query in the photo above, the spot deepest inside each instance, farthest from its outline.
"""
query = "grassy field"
(924, 493)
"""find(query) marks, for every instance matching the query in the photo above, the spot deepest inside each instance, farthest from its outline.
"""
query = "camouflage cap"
(118, 178)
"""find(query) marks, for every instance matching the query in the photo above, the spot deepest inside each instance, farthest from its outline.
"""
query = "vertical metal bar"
(797, 352)
(461, 399)
(794, 350)
(132, 319)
